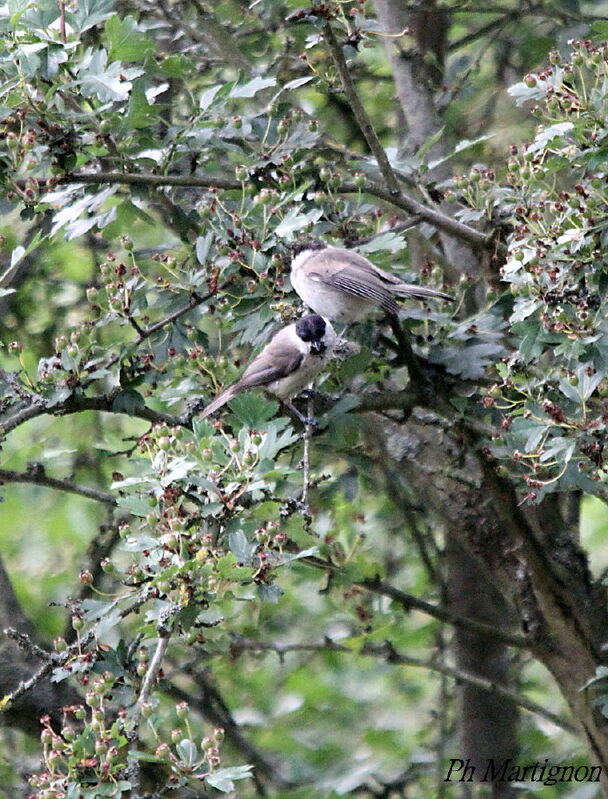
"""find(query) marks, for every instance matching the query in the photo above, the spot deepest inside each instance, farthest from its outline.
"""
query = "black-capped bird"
(343, 286)
(288, 363)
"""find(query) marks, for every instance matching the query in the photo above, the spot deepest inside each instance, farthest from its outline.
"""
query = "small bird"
(345, 287)
(288, 363)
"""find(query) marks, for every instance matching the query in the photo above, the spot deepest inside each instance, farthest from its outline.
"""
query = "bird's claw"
(309, 393)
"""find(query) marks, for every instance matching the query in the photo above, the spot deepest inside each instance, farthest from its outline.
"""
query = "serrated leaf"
(206, 98)
(252, 87)
(269, 593)
(203, 245)
(223, 779)
(127, 42)
(296, 221)
(252, 409)
(178, 469)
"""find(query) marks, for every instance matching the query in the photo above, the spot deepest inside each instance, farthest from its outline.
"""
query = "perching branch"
(77, 404)
(409, 602)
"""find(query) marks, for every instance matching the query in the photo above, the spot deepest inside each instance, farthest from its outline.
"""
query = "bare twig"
(359, 111)
(306, 458)
(62, 21)
(77, 404)
(153, 669)
(391, 655)
(35, 473)
(409, 602)
(25, 642)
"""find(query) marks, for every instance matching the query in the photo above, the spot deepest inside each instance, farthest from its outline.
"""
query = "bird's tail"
(220, 400)
(420, 292)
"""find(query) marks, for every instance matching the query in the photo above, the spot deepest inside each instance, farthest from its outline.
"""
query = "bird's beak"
(318, 347)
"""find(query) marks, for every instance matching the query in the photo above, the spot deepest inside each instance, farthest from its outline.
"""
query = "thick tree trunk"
(529, 554)
(486, 723)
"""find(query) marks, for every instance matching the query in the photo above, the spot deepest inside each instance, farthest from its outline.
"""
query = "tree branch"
(77, 404)
(403, 201)
(391, 655)
(35, 473)
(359, 112)
(409, 602)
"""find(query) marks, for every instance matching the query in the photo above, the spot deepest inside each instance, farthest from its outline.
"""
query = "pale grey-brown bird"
(288, 363)
(343, 286)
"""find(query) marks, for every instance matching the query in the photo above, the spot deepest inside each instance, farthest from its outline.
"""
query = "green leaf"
(252, 409)
(428, 143)
(269, 593)
(240, 547)
(203, 245)
(207, 97)
(251, 88)
(174, 66)
(127, 42)
(187, 751)
(140, 113)
(295, 220)
(223, 779)
(90, 13)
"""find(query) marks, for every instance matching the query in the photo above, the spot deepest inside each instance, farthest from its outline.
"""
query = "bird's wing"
(362, 264)
(274, 362)
(360, 277)
(358, 282)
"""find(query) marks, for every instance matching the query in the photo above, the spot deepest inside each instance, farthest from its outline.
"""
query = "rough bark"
(417, 77)
(530, 555)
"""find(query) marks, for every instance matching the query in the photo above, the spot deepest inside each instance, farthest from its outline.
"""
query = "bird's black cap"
(311, 327)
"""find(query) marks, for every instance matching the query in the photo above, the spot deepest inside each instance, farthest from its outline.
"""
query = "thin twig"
(148, 682)
(153, 670)
(306, 457)
(409, 357)
(58, 659)
(25, 642)
(360, 113)
(391, 655)
(62, 35)
(77, 404)
(36, 474)
(409, 602)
